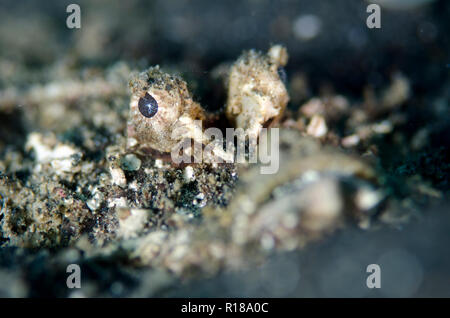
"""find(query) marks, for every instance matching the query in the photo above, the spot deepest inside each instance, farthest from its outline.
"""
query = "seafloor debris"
(315, 192)
(312, 193)
(375, 116)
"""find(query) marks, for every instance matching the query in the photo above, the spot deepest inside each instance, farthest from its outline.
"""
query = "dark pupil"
(148, 106)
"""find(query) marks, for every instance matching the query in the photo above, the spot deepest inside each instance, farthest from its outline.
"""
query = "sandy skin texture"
(257, 96)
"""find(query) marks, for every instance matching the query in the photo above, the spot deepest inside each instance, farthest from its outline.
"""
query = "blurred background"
(328, 40)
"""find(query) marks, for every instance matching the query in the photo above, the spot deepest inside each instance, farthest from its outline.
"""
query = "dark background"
(200, 34)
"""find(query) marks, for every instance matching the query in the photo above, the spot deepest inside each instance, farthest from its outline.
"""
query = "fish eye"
(148, 106)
